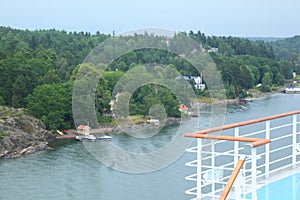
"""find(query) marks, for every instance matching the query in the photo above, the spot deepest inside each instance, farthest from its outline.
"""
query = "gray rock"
(21, 133)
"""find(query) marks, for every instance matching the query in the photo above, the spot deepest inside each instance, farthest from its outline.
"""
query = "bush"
(2, 135)
(105, 120)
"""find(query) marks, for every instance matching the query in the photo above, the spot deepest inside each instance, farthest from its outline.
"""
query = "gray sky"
(278, 18)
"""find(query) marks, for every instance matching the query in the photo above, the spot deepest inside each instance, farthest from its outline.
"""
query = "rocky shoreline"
(21, 134)
(136, 127)
(118, 129)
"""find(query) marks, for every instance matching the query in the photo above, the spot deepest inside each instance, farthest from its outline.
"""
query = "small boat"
(59, 132)
(244, 100)
(79, 138)
(154, 121)
(104, 137)
(85, 137)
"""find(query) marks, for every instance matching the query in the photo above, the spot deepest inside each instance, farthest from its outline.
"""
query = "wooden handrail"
(232, 178)
(255, 142)
(244, 123)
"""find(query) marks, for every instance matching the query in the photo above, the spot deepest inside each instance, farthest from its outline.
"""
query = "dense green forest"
(38, 69)
(287, 52)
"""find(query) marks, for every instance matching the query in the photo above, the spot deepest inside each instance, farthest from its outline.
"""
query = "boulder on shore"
(21, 133)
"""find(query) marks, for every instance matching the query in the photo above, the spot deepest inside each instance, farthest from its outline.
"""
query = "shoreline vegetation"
(140, 122)
(23, 134)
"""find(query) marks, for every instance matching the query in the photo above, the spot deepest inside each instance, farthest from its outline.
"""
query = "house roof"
(83, 127)
(182, 107)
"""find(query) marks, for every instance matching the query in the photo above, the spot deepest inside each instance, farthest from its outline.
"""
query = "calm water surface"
(71, 172)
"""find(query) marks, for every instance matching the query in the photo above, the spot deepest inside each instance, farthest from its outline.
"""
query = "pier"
(292, 90)
(72, 133)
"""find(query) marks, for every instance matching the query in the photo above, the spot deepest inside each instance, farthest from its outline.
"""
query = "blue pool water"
(286, 188)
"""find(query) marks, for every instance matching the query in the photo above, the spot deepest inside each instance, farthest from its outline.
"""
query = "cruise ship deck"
(254, 159)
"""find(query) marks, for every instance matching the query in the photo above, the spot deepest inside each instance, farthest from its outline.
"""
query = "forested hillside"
(38, 65)
(38, 69)
(287, 51)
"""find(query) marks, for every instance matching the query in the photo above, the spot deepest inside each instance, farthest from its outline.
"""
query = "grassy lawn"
(137, 119)
(204, 99)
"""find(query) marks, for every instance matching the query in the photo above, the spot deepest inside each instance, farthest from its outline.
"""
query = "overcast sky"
(277, 18)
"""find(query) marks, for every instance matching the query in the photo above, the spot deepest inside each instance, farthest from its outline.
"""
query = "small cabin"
(183, 108)
(83, 130)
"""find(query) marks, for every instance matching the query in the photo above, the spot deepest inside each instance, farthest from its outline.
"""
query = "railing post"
(244, 181)
(267, 157)
(294, 149)
(199, 168)
(213, 160)
(236, 145)
(236, 157)
(253, 173)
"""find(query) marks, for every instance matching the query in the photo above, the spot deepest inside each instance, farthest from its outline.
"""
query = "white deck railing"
(215, 160)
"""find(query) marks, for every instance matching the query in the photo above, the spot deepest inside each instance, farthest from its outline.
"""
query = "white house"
(198, 83)
(196, 79)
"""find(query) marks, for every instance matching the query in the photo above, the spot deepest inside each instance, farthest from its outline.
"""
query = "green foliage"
(148, 98)
(1, 101)
(103, 96)
(286, 67)
(284, 48)
(52, 104)
(38, 69)
(266, 82)
(246, 78)
(32, 58)
(122, 102)
(229, 46)
(2, 135)
(112, 78)
(244, 71)
(287, 51)
(230, 92)
(242, 94)
(105, 120)
(51, 77)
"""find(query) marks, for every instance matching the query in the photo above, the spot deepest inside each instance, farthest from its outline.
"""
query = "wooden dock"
(72, 133)
(292, 90)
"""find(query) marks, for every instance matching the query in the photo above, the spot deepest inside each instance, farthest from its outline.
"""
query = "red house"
(183, 108)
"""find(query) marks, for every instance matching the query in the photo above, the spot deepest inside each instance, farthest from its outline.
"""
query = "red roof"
(83, 127)
(182, 107)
